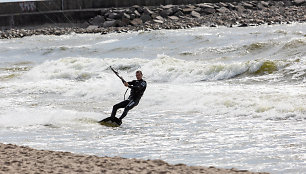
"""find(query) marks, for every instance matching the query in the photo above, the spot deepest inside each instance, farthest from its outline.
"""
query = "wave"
(269, 49)
(11, 71)
(168, 69)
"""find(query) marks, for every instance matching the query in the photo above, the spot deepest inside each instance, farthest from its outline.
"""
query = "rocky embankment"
(135, 18)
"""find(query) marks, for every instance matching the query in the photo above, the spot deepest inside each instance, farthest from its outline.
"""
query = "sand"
(20, 159)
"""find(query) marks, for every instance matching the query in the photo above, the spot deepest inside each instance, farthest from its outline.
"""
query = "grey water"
(224, 97)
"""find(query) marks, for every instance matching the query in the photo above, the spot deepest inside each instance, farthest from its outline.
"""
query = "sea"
(223, 97)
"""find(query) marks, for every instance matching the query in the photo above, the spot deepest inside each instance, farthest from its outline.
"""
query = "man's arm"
(137, 87)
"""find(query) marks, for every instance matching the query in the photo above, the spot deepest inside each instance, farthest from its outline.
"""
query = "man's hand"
(126, 84)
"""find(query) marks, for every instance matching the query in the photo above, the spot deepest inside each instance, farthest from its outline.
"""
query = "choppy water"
(225, 97)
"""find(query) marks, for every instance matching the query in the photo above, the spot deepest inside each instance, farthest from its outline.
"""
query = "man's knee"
(132, 104)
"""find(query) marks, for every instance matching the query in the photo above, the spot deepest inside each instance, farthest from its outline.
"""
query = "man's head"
(138, 75)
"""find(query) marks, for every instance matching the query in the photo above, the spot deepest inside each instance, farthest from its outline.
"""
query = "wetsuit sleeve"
(131, 83)
(140, 86)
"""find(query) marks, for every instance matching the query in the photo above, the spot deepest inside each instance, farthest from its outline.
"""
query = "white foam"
(196, 106)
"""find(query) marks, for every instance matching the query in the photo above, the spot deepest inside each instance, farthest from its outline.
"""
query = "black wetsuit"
(137, 89)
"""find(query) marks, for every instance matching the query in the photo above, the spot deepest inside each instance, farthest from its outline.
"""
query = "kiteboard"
(110, 122)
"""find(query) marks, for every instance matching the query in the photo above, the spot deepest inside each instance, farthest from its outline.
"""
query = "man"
(138, 87)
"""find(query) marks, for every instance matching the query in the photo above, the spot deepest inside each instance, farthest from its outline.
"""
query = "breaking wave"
(168, 69)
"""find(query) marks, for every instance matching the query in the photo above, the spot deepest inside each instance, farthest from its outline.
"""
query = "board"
(110, 122)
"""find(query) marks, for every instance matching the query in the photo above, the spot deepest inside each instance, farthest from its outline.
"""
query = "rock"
(223, 10)
(136, 22)
(208, 10)
(265, 4)
(120, 23)
(158, 21)
(103, 11)
(206, 5)
(221, 4)
(173, 18)
(57, 32)
(147, 11)
(231, 6)
(288, 3)
(260, 6)
(165, 13)
(85, 24)
(145, 18)
(187, 10)
(92, 27)
(154, 15)
(114, 16)
(98, 20)
(179, 13)
(159, 18)
(167, 6)
(175, 9)
(132, 16)
(126, 21)
(107, 24)
(240, 8)
(191, 6)
(195, 14)
(140, 9)
(135, 7)
(299, 2)
(243, 25)
(247, 5)
(125, 15)
(137, 14)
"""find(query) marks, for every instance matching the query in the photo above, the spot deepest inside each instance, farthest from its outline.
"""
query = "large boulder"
(147, 11)
(125, 15)
(114, 15)
(159, 18)
(137, 14)
(126, 21)
(107, 24)
(165, 13)
(98, 20)
(187, 10)
(136, 22)
(195, 14)
(207, 8)
(264, 3)
(299, 2)
(167, 6)
(223, 10)
(179, 13)
(145, 18)
(173, 18)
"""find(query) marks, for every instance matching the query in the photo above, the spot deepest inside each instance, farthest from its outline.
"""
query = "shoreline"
(22, 159)
(140, 18)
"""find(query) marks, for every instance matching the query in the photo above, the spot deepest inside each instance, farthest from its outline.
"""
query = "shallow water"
(225, 97)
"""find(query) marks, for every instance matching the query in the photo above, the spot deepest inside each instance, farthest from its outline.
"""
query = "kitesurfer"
(137, 87)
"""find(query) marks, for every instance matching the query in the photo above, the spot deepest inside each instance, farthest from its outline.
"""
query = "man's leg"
(128, 107)
(119, 105)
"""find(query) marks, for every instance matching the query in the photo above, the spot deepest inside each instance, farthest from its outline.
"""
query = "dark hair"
(139, 72)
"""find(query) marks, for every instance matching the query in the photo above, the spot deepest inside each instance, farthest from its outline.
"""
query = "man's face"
(138, 76)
